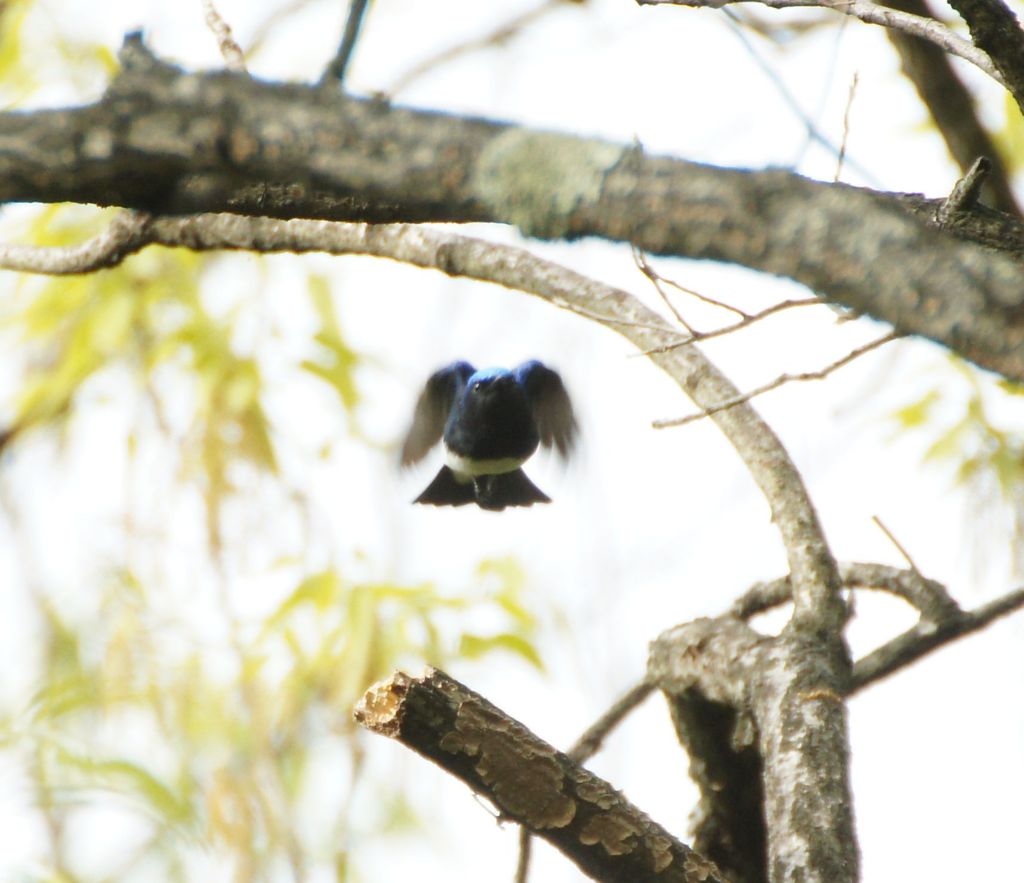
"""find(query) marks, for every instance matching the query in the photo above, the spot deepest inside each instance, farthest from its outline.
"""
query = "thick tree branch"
(997, 32)
(529, 781)
(773, 797)
(175, 143)
(586, 747)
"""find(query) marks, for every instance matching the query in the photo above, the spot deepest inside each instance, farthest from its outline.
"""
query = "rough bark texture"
(764, 705)
(951, 106)
(171, 142)
(529, 781)
(996, 30)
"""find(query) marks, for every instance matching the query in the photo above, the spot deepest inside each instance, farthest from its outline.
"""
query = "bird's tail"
(446, 490)
(495, 492)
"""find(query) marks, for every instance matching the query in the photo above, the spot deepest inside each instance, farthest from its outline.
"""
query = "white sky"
(648, 528)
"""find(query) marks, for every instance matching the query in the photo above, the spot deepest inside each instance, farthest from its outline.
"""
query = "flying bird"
(491, 422)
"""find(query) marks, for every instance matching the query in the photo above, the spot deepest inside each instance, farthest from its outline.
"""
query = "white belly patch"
(463, 466)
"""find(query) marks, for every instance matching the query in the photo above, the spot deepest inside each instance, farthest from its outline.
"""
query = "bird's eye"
(477, 386)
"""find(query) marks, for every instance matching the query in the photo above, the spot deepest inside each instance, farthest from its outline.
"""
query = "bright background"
(648, 529)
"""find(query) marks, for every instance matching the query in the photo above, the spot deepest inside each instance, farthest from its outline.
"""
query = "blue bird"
(491, 421)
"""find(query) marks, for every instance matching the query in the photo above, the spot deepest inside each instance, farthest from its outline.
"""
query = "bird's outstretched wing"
(432, 410)
(552, 409)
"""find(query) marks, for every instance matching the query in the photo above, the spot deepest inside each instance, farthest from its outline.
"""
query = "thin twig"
(749, 319)
(788, 98)
(590, 742)
(501, 34)
(231, 52)
(926, 636)
(657, 280)
(965, 192)
(525, 852)
(704, 298)
(846, 127)
(336, 69)
(899, 546)
(871, 13)
(272, 22)
(640, 259)
(777, 382)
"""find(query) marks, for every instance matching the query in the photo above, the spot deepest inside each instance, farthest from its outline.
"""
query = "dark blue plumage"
(491, 422)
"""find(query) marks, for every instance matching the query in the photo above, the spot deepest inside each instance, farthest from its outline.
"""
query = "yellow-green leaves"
(223, 750)
(335, 362)
(973, 423)
(341, 636)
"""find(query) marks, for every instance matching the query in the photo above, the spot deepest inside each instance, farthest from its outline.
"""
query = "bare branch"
(810, 561)
(777, 382)
(997, 32)
(951, 106)
(872, 13)
(525, 853)
(126, 234)
(930, 598)
(496, 37)
(926, 636)
(338, 66)
(846, 128)
(590, 742)
(171, 142)
(528, 780)
(231, 52)
(966, 191)
(748, 319)
(814, 132)
(640, 259)
(899, 546)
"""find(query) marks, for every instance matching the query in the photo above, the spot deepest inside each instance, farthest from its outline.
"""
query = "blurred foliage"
(972, 421)
(193, 754)
(204, 739)
(197, 756)
(36, 49)
(1009, 138)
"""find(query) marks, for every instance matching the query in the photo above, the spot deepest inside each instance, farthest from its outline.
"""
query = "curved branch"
(816, 581)
(810, 642)
(871, 13)
(126, 234)
(997, 32)
(169, 142)
(929, 597)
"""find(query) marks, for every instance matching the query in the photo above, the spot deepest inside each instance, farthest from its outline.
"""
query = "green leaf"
(476, 646)
(335, 361)
(321, 591)
(918, 413)
(130, 778)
